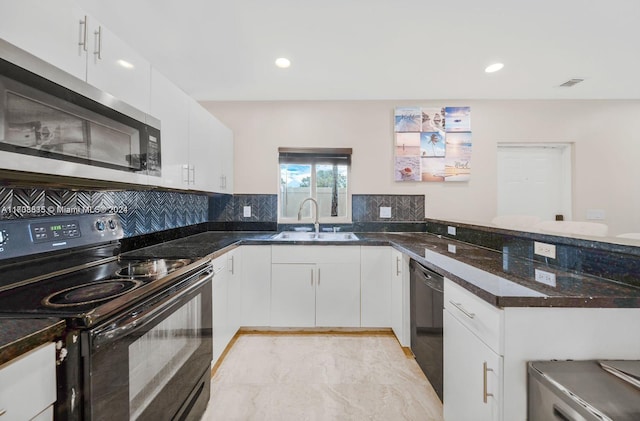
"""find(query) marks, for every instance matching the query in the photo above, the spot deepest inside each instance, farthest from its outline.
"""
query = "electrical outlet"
(451, 248)
(385, 212)
(246, 211)
(595, 214)
(544, 249)
(545, 277)
(451, 230)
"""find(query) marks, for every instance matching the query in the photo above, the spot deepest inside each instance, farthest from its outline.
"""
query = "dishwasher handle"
(428, 277)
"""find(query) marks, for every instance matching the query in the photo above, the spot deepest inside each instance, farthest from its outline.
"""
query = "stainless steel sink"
(311, 236)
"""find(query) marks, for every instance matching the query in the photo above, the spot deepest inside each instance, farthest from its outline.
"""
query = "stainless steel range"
(138, 337)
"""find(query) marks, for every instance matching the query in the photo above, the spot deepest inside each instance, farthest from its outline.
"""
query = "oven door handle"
(135, 319)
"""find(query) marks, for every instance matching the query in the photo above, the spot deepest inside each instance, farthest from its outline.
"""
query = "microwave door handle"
(120, 329)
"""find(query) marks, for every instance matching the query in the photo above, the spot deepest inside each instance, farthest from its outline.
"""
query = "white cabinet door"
(375, 284)
(234, 272)
(338, 294)
(220, 301)
(50, 30)
(400, 322)
(293, 295)
(225, 153)
(256, 286)
(472, 375)
(170, 105)
(28, 384)
(203, 168)
(116, 68)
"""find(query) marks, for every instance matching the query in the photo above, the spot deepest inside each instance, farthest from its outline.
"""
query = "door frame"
(566, 149)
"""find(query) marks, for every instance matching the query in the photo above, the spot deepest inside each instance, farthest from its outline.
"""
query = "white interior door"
(534, 179)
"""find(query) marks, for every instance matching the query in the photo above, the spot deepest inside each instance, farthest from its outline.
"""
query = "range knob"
(100, 226)
(112, 224)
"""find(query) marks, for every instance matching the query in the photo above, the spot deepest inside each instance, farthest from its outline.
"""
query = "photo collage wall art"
(432, 144)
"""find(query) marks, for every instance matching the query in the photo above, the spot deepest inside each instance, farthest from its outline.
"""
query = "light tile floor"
(320, 377)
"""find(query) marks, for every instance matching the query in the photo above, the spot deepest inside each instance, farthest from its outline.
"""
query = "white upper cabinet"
(210, 152)
(115, 68)
(70, 39)
(170, 105)
(51, 30)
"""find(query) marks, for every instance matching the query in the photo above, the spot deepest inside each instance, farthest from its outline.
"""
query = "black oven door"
(152, 363)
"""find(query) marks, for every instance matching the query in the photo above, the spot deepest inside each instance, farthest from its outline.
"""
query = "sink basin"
(311, 236)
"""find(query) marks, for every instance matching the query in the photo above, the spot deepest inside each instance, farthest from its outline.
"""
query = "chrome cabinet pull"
(185, 173)
(318, 276)
(82, 37)
(232, 269)
(463, 310)
(98, 51)
(311, 277)
(2, 412)
(397, 265)
(192, 170)
(485, 370)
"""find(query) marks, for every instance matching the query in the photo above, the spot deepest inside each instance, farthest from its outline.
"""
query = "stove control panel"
(25, 237)
(41, 232)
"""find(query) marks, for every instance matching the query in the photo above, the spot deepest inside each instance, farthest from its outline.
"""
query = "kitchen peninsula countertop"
(18, 336)
(498, 278)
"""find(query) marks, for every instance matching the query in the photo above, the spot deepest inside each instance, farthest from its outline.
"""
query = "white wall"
(605, 135)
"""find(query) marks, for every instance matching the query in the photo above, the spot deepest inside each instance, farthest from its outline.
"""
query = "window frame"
(314, 157)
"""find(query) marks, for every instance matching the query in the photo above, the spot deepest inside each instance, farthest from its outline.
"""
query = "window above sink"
(318, 173)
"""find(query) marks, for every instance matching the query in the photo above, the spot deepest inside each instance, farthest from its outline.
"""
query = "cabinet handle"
(185, 173)
(98, 51)
(2, 412)
(318, 276)
(311, 277)
(397, 265)
(82, 37)
(463, 310)
(485, 370)
(232, 266)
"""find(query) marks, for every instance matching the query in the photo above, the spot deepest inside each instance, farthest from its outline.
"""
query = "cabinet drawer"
(315, 254)
(483, 319)
(28, 384)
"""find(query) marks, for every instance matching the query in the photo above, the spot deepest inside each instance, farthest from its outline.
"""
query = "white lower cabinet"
(315, 286)
(226, 301)
(375, 286)
(255, 302)
(400, 301)
(472, 375)
(475, 333)
(28, 385)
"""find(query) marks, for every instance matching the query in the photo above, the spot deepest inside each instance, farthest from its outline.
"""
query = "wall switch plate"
(451, 248)
(385, 212)
(451, 230)
(595, 214)
(545, 277)
(246, 211)
(544, 249)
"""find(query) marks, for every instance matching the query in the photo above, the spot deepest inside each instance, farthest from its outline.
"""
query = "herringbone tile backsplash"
(404, 208)
(140, 212)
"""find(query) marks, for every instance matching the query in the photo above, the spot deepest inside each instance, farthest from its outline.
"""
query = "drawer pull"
(463, 310)
(485, 370)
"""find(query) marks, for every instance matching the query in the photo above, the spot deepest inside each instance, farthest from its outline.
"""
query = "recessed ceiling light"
(125, 64)
(283, 63)
(494, 67)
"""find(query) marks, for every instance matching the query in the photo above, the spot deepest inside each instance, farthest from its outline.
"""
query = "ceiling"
(385, 49)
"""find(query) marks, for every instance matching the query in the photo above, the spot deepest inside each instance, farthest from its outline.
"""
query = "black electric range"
(146, 320)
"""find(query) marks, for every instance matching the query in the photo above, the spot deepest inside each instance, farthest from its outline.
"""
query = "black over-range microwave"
(46, 112)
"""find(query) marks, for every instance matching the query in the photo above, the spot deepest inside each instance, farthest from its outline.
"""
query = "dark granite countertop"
(500, 279)
(18, 336)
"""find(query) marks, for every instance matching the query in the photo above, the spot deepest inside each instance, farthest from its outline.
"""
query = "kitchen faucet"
(316, 224)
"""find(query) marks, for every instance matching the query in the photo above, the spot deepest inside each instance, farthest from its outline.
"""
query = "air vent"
(571, 82)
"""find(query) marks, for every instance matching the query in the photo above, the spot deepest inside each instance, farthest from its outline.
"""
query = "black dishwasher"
(427, 304)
